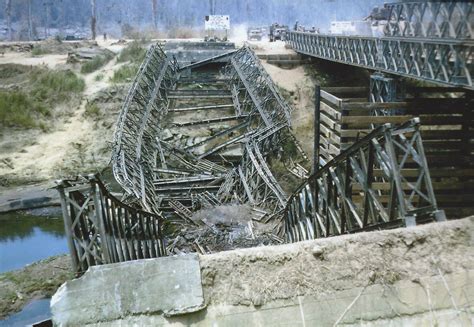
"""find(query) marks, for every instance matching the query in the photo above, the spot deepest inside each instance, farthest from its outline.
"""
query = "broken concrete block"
(168, 285)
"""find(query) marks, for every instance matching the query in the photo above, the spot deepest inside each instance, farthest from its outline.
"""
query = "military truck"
(255, 33)
(277, 32)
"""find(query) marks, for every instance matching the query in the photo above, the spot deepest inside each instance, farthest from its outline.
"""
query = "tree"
(8, 13)
(154, 8)
(93, 19)
(212, 6)
(30, 22)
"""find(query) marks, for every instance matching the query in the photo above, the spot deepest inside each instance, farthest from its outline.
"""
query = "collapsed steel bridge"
(170, 173)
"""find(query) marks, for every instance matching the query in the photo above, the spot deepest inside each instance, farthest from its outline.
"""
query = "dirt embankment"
(260, 275)
(38, 280)
(75, 137)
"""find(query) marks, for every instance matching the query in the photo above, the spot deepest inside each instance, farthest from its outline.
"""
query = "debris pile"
(223, 228)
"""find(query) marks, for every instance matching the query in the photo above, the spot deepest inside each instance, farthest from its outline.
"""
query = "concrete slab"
(169, 286)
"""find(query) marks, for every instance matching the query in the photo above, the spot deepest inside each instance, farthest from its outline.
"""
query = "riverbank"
(38, 280)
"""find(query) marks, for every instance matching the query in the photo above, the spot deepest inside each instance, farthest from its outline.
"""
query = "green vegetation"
(134, 52)
(92, 110)
(43, 90)
(18, 109)
(125, 73)
(39, 51)
(99, 77)
(96, 63)
(55, 86)
(13, 70)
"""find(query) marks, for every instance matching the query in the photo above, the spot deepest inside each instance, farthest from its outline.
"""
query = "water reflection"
(25, 239)
(33, 312)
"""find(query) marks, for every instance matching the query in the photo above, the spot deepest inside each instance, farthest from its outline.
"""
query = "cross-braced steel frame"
(347, 195)
(255, 94)
(100, 229)
(135, 146)
(443, 61)
(431, 19)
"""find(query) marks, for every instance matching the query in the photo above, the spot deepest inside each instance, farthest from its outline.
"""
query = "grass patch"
(18, 109)
(134, 52)
(44, 90)
(95, 63)
(99, 77)
(125, 73)
(39, 51)
(13, 70)
(92, 110)
(55, 86)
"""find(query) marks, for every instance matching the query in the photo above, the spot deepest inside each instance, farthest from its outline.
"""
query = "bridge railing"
(445, 61)
(365, 188)
(135, 145)
(100, 229)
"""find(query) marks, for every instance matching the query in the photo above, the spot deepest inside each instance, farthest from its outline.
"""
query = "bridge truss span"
(364, 188)
(442, 61)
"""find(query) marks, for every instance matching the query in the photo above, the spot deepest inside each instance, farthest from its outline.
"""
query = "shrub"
(125, 73)
(134, 52)
(17, 109)
(44, 90)
(92, 110)
(39, 51)
(55, 86)
(95, 63)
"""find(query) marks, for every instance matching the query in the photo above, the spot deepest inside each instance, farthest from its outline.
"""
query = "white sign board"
(217, 22)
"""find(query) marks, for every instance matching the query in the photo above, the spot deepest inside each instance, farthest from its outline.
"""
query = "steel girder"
(135, 146)
(433, 19)
(347, 195)
(436, 60)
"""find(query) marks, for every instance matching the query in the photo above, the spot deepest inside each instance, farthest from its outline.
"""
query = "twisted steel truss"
(135, 147)
(444, 61)
(431, 19)
(255, 94)
(364, 188)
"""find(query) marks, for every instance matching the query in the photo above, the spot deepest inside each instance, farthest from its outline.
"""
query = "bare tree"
(8, 13)
(93, 19)
(47, 14)
(30, 22)
(212, 5)
(154, 11)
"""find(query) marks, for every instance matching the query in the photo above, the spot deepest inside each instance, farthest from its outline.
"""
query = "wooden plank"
(331, 112)
(346, 89)
(446, 186)
(330, 123)
(426, 120)
(328, 97)
(450, 104)
(434, 173)
(435, 134)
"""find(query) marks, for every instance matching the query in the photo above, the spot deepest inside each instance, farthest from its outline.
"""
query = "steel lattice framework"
(444, 61)
(135, 147)
(255, 94)
(346, 196)
(433, 19)
(100, 229)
